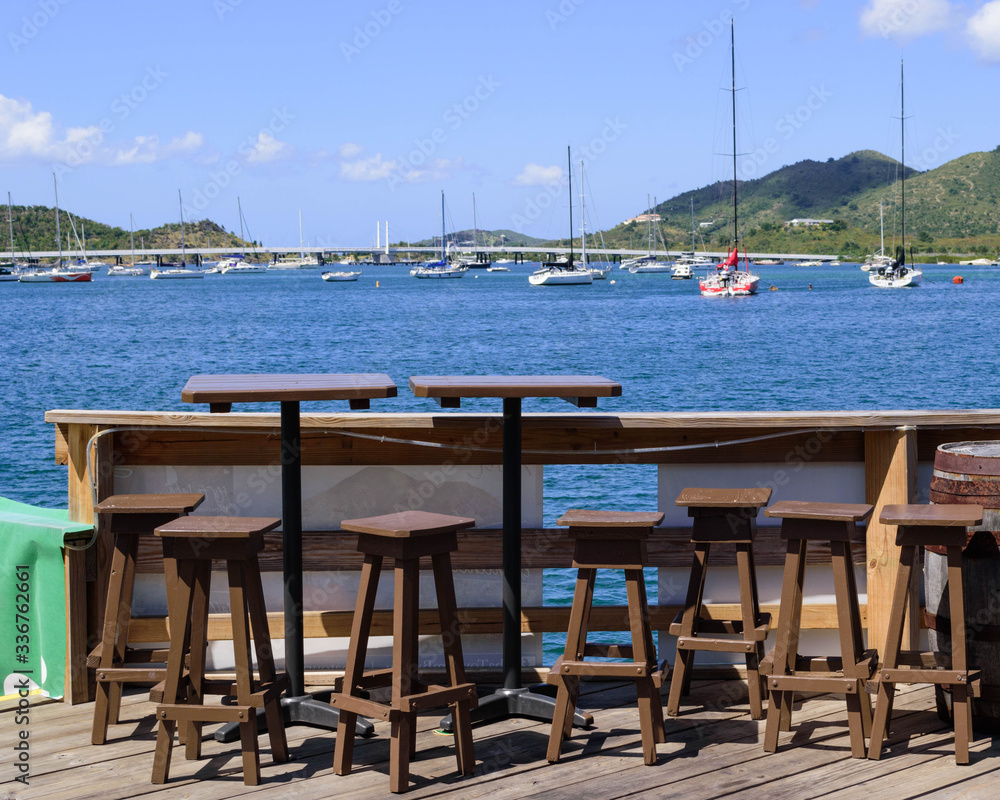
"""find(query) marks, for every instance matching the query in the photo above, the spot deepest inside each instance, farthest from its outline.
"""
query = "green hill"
(35, 230)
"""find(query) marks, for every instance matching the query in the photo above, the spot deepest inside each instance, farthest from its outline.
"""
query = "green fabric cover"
(33, 537)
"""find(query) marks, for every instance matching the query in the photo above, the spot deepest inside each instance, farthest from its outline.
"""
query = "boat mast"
(732, 48)
(302, 252)
(881, 227)
(10, 222)
(180, 203)
(692, 224)
(902, 154)
(649, 228)
(569, 167)
(583, 220)
(239, 209)
(475, 228)
(131, 233)
(58, 234)
(442, 226)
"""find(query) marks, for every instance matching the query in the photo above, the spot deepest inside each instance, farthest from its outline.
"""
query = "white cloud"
(906, 19)
(34, 135)
(537, 175)
(349, 150)
(367, 169)
(267, 148)
(983, 30)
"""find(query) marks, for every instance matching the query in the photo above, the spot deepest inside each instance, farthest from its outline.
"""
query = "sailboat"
(175, 271)
(132, 271)
(58, 274)
(648, 262)
(238, 265)
(879, 259)
(598, 269)
(727, 279)
(440, 268)
(898, 275)
(563, 273)
(472, 261)
(685, 266)
(302, 262)
(8, 272)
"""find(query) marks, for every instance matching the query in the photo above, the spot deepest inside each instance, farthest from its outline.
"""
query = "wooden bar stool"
(721, 516)
(609, 540)
(128, 518)
(787, 671)
(193, 543)
(405, 537)
(919, 525)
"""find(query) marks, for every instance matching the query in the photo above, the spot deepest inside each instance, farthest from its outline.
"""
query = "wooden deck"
(711, 752)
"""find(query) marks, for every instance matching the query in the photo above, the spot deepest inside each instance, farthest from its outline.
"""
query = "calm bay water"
(132, 343)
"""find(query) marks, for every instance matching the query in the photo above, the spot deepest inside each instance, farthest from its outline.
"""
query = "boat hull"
(561, 277)
(174, 274)
(740, 284)
(909, 280)
(56, 277)
(340, 277)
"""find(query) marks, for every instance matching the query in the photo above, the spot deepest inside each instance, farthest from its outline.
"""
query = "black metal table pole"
(291, 541)
(511, 543)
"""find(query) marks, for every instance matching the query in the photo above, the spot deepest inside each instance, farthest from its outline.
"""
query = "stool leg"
(343, 753)
(843, 569)
(680, 681)
(265, 658)
(961, 710)
(893, 642)
(576, 638)
(244, 672)
(404, 656)
(786, 646)
(451, 640)
(649, 709)
(750, 611)
(183, 590)
(659, 728)
(198, 646)
(103, 704)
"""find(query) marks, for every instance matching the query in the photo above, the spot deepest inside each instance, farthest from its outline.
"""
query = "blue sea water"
(132, 343)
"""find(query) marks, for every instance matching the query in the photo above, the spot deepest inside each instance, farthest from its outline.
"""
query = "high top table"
(448, 390)
(220, 392)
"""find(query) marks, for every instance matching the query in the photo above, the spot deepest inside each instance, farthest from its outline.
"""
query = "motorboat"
(341, 276)
(122, 271)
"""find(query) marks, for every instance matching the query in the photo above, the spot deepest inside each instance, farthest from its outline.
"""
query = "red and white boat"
(55, 276)
(728, 280)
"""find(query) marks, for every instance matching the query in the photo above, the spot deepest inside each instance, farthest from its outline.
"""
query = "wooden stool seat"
(404, 537)
(919, 526)
(128, 517)
(721, 516)
(788, 672)
(609, 540)
(192, 543)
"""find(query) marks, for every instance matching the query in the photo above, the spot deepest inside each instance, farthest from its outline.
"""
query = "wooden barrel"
(969, 473)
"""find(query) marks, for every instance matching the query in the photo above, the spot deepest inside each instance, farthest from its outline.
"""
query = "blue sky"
(355, 112)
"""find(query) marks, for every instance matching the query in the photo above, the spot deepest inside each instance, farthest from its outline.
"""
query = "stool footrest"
(131, 675)
(438, 696)
(832, 664)
(608, 650)
(812, 683)
(374, 679)
(359, 705)
(734, 626)
(958, 677)
(133, 655)
(715, 645)
(590, 668)
(185, 712)
(268, 692)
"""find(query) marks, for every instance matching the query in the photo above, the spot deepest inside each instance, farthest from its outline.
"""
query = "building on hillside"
(644, 218)
(794, 223)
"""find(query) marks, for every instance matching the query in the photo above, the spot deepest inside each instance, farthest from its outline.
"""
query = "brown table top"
(150, 503)
(270, 388)
(833, 512)
(953, 515)
(723, 498)
(404, 524)
(218, 527)
(610, 519)
(514, 386)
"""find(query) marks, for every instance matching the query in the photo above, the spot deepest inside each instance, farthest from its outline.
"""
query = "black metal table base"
(527, 703)
(305, 710)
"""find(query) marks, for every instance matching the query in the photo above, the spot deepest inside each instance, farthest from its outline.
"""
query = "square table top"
(271, 388)
(568, 387)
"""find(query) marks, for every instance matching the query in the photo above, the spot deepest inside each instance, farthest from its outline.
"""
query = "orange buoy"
(376, 284)
(957, 279)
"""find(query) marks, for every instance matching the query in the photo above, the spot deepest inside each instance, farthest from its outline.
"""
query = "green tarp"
(33, 592)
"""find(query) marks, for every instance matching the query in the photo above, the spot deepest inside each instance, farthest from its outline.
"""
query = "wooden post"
(890, 478)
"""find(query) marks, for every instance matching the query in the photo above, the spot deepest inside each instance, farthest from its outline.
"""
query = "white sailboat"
(647, 264)
(341, 276)
(598, 269)
(133, 271)
(441, 269)
(687, 263)
(58, 274)
(563, 273)
(9, 272)
(879, 259)
(238, 265)
(727, 279)
(302, 262)
(176, 271)
(898, 275)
